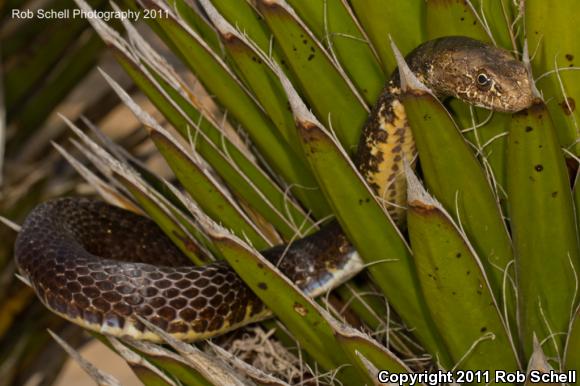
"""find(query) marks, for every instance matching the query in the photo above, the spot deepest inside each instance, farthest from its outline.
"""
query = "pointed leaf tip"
(100, 377)
(222, 25)
(409, 81)
(417, 195)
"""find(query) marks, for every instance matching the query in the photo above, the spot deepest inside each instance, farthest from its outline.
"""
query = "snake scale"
(100, 266)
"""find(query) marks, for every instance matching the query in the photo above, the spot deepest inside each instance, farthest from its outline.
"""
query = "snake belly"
(103, 267)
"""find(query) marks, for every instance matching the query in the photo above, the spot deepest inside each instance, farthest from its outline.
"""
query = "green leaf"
(403, 20)
(241, 15)
(331, 96)
(208, 366)
(379, 242)
(171, 363)
(170, 220)
(453, 17)
(221, 82)
(572, 355)
(303, 317)
(205, 190)
(168, 223)
(332, 23)
(365, 302)
(577, 198)
(554, 49)
(260, 78)
(455, 288)
(198, 23)
(241, 174)
(456, 178)
(355, 344)
(488, 137)
(498, 16)
(543, 229)
(143, 369)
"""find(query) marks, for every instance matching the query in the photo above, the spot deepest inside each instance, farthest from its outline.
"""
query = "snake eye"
(483, 80)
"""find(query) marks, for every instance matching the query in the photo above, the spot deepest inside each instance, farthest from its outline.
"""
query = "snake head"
(479, 74)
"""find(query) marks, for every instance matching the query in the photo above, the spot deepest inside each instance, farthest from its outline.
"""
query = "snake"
(107, 269)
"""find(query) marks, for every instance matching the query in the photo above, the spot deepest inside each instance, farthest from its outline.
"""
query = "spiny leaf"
(379, 242)
(143, 369)
(403, 20)
(555, 50)
(456, 178)
(543, 229)
(455, 287)
(328, 91)
(333, 24)
(170, 362)
(220, 81)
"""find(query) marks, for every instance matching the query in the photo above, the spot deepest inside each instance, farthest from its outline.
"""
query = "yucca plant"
(485, 277)
(41, 64)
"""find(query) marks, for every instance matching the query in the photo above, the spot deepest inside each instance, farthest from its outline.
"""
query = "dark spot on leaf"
(468, 272)
(310, 57)
(458, 255)
(304, 41)
(462, 19)
(538, 168)
(300, 309)
(312, 49)
(260, 265)
(262, 286)
(570, 57)
(426, 117)
(453, 293)
(483, 329)
(554, 194)
(474, 22)
(529, 128)
(568, 105)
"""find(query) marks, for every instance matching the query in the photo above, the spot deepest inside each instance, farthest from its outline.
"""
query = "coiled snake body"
(100, 266)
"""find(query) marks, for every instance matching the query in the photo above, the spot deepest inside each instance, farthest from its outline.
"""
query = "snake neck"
(386, 144)
(387, 140)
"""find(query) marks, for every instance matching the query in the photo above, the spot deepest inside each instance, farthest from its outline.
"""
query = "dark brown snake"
(100, 266)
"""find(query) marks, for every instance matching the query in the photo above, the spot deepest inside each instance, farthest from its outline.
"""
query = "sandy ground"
(106, 360)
